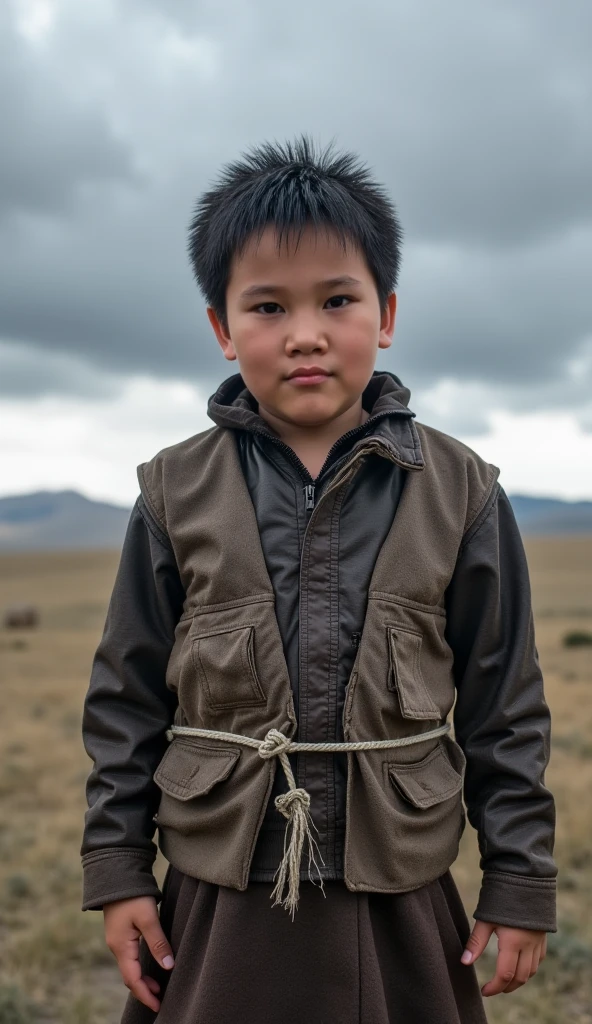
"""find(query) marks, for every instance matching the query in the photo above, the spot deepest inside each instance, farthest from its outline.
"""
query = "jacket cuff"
(518, 901)
(117, 874)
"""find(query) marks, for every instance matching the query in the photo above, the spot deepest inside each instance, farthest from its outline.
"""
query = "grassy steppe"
(54, 965)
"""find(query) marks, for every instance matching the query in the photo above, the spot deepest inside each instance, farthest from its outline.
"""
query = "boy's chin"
(318, 418)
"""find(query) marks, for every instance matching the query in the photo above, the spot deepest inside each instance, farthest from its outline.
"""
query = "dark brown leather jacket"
(501, 718)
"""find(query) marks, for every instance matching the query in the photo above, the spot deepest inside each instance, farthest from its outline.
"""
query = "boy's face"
(292, 309)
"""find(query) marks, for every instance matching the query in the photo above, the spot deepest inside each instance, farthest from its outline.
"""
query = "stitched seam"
(185, 781)
(223, 605)
(258, 696)
(150, 502)
(405, 602)
(335, 535)
(250, 666)
(191, 743)
(530, 923)
(430, 709)
(471, 533)
(155, 530)
(95, 855)
(415, 438)
(140, 890)
(543, 883)
(473, 515)
(426, 801)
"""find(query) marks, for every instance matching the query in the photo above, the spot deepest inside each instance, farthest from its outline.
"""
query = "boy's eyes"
(269, 308)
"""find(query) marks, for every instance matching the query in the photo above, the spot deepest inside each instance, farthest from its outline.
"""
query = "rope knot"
(286, 802)
(274, 744)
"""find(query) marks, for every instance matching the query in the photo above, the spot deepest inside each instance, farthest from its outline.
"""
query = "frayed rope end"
(294, 805)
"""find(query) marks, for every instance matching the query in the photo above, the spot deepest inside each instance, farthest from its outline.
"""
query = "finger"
(523, 970)
(157, 942)
(143, 994)
(477, 941)
(507, 961)
(536, 959)
(133, 979)
(539, 953)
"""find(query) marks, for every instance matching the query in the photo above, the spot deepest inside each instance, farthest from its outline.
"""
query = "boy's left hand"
(519, 953)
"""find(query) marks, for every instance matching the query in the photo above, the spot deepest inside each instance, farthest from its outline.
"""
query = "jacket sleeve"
(127, 709)
(502, 722)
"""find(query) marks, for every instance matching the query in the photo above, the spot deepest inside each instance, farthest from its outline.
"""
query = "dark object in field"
(578, 638)
(21, 616)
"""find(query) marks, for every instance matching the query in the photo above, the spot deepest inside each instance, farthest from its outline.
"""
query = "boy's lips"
(309, 375)
(315, 378)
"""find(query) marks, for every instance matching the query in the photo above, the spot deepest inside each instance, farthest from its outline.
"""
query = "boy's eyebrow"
(271, 289)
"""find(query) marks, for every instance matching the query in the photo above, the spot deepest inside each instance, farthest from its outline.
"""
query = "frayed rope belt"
(295, 804)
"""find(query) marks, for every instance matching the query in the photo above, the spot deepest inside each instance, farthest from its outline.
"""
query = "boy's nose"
(306, 331)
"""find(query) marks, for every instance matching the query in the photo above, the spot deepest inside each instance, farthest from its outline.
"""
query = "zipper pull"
(355, 640)
(309, 492)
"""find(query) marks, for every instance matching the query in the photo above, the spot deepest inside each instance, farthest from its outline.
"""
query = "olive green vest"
(404, 811)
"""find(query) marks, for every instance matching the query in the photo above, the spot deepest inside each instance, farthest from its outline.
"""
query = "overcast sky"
(114, 117)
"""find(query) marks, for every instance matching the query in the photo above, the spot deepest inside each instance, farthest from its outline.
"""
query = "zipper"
(343, 474)
(310, 488)
(293, 458)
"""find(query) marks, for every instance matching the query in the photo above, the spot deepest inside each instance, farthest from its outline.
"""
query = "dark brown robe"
(346, 958)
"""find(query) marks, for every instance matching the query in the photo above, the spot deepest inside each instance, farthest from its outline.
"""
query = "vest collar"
(385, 398)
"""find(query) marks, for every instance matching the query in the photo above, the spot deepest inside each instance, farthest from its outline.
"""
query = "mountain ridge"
(67, 520)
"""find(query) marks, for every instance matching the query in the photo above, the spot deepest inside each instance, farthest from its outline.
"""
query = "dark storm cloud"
(475, 116)
(28, 372)
(51, 143)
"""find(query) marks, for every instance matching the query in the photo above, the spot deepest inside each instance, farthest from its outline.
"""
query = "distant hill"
(550, 515)
(54, 520)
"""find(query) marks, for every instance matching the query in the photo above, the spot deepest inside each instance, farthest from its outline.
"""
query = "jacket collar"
(385, 398)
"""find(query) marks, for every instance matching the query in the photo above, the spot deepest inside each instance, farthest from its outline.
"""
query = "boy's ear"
(221, 331)
(387, 322)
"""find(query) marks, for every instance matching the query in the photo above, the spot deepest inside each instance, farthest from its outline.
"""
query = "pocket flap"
(225, 663)
(407, 680)
(428, 782)
(190, 768)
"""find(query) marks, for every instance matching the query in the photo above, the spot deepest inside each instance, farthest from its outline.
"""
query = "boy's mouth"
(308, 375)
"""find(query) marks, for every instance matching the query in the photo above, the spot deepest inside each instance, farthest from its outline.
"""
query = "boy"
(316, 569)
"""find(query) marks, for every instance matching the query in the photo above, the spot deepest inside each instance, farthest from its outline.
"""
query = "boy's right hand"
(125, 922)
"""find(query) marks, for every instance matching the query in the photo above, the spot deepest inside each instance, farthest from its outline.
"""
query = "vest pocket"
(427, 813)
(405, 677)
(186, 775)
(225, 663)
(436, 778)
(190, 769)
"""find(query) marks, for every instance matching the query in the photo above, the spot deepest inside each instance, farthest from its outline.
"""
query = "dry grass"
(54, 966)
(561, 991)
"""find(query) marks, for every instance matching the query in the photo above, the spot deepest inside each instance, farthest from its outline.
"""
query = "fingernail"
(466, 957)
(168, 961)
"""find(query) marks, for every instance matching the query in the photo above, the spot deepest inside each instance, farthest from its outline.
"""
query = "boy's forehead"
(311, 252)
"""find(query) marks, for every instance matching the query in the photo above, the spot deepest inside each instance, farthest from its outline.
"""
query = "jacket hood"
(233, 405)
(385, 398)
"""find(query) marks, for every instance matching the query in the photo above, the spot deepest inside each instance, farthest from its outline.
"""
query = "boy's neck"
(313, 444)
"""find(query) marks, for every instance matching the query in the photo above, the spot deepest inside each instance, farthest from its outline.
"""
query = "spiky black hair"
(292, 186)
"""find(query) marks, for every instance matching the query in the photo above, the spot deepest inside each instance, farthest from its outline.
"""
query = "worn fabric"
(229, 671)
(489, 627)
(355, 958)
